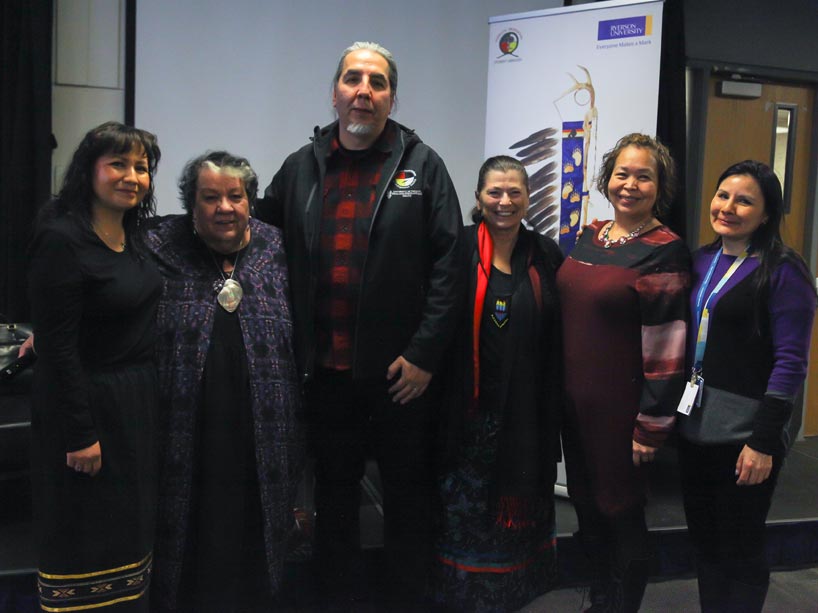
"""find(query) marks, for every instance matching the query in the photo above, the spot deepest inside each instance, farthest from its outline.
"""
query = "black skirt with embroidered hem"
(124, 588)
(96, 533)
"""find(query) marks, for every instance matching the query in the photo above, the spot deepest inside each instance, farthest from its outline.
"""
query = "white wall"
(253, 76)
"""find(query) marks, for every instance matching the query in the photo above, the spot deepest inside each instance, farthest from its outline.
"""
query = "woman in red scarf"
(496, 550)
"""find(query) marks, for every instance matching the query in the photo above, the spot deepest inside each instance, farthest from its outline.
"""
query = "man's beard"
(360, 129)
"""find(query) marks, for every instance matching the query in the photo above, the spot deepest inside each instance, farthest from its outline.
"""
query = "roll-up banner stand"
(563, 86)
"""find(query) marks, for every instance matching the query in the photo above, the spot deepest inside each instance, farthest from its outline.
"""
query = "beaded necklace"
(622, 239)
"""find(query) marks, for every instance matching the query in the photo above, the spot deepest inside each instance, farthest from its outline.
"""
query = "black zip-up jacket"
(411, 285)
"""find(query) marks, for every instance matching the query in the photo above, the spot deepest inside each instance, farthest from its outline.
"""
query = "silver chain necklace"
(111, 239)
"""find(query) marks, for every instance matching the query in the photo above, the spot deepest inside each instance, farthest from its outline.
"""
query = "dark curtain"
(670, 122)
(25, 139)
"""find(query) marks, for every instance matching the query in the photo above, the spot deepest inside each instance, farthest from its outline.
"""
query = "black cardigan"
(532, 369)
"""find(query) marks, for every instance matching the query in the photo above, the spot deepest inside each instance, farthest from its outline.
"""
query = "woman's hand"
(28, 345)
(642, 453)
(753, 467)
(88, 460)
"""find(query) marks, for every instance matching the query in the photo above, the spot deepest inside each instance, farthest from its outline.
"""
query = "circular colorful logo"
(509, 42)
(405, 178)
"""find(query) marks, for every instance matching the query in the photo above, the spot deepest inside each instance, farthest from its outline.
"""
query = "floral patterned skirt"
(482, 565)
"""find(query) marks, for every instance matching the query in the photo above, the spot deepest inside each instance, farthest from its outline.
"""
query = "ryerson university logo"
(628, 27)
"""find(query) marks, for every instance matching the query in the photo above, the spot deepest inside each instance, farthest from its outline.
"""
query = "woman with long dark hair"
(94, 296)
(752, 304)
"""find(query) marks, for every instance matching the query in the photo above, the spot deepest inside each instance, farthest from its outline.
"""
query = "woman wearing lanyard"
(752, 302)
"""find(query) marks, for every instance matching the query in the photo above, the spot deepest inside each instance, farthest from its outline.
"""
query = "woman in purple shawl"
(231, 446)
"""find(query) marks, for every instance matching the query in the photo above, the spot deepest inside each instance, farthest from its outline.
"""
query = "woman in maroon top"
(623, 292)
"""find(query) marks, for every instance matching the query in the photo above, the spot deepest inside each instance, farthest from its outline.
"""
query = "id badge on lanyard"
(692, 395)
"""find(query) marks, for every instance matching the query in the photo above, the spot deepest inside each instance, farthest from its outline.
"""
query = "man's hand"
(582, 228)
(88, 460)
(753, 467)
(642, 453)
(412, 383)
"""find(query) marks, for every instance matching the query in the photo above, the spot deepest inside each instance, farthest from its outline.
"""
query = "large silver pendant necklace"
(229, 292)
(622, 239)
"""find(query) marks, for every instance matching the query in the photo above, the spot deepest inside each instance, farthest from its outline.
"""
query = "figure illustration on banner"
(560, 194)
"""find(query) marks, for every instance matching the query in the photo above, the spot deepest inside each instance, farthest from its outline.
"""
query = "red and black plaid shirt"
(349, 201)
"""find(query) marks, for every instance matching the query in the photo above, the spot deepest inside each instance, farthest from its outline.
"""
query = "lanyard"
(702, 312)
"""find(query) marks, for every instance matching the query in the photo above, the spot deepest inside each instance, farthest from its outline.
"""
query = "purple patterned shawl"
(184, 321)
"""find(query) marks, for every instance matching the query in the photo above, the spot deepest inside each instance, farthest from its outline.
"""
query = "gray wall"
(253, 76)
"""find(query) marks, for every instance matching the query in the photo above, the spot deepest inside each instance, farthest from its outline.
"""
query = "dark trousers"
(349, 421)
(726, 522)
